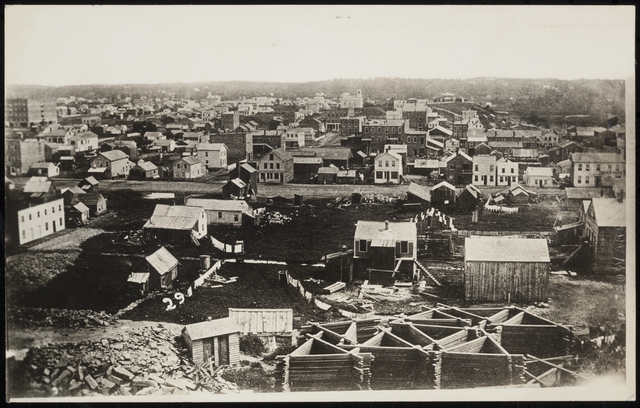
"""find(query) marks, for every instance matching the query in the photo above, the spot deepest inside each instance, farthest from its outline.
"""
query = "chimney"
(386, 225)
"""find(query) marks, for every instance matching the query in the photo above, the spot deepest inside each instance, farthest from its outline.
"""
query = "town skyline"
(276, 44)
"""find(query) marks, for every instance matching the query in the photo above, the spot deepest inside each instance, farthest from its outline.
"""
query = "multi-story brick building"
(20, 154)
(384, 132)
(351, 125)
(332, 118)
(588, 169)
(230, 120)
(23, 112)
(276, 166)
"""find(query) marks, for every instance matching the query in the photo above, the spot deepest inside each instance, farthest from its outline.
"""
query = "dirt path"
(20, 339)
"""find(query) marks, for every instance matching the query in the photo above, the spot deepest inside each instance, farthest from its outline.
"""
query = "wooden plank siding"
(234, 349)
(538, 340)
(506, 281)
(263, 321)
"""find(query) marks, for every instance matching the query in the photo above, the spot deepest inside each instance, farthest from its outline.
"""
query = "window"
(491, 167)
(206, 154)
(366, 130)
(262, 176)
(24, 234)
(38, 214)
(393, 130)
(512, 170)
(490, 178)
(60, 221)
(393, 164)
(270, 157)
(579, 166)
(378, 139)
(378, 174)
(22, 218)
(46, 226)
(513, 179)
(394, 175)
(380, 163)
(617, 167)
(386, 163)
(386, 130)
(503, 170)
(379, 130)
(545, 182)
(476, 168)
(501, 178)
(235, 217)
(597, 167)
(278, 166)
(219, 214)
(363, 245)
(404, 247)
(60, 208)
(265, 165)
(579, 180)
(586, 180)
(476, 178)
(29, 217)
(609, 167)
(271, 166)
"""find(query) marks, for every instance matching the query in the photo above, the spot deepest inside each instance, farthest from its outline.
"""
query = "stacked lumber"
(334, 287)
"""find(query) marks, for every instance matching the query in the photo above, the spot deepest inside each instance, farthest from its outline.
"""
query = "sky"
(77, 45)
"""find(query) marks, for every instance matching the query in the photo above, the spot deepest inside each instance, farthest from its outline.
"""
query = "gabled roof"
(90, 198)
(597, 157)
(539, 171)
(147, 166)
(37, 185)
(176, 217)
(162, 261)
(42, 165)
(501, 249)
(190, 160)
(398, 231)
(443, 184)
(280, 153)
(84, 135)
(81, 207)
(585, 205)
(74, 190)
(585, 193)
(211, 146)
(609, 212)
(114, 155)
(138, 277)
(89, 180)
(327, 170)
(218, 205)
(238, 182)
(419, 191)
(307, 160)
(211, 328)
(517, 189)
(473, 190)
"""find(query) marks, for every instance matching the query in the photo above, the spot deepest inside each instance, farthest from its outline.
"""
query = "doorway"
(484, 178)
(207, 349)
(223, 350)
(54, 226)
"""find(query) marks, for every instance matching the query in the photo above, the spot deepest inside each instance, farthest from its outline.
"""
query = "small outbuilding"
(162, 268)
(95, 201)
(327, 175)
(501, 269)
(213, 339)
(443, 194)
(469, 198)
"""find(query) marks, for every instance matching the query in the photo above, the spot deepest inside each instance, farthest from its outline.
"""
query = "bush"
(251, 378)
(252, 345)
(281, 350)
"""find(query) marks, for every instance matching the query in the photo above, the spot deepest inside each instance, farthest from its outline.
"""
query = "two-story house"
(276, 166)
(85, 142)
(212, 155)
(484, 170)
(605, 229)
(507, 172)
(115, 162)
(459, 168)
(588, 169)
(188, 168)
(388, 168)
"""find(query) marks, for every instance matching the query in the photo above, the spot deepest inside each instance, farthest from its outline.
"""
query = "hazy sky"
(66, 45)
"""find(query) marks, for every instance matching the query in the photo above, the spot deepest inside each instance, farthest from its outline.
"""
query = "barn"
(469, 198)
(501, 269)
(443, 194)
(178, 224)
(217, 339)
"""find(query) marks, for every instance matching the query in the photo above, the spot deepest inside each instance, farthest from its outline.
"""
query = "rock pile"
(145, 361)
(36, 317)
(379, 198)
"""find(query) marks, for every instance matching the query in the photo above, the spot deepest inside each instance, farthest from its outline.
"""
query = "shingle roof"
(307, 160)
(211, 328)
(398, 231)
(238, 182)
(609, 212)
(218, 205)
(114, 155)
(502, 249)
(177, 217)
(84, 135)
(80, 206)
(584, 193)
(162, 261)
(42, 165)
(327, 170)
